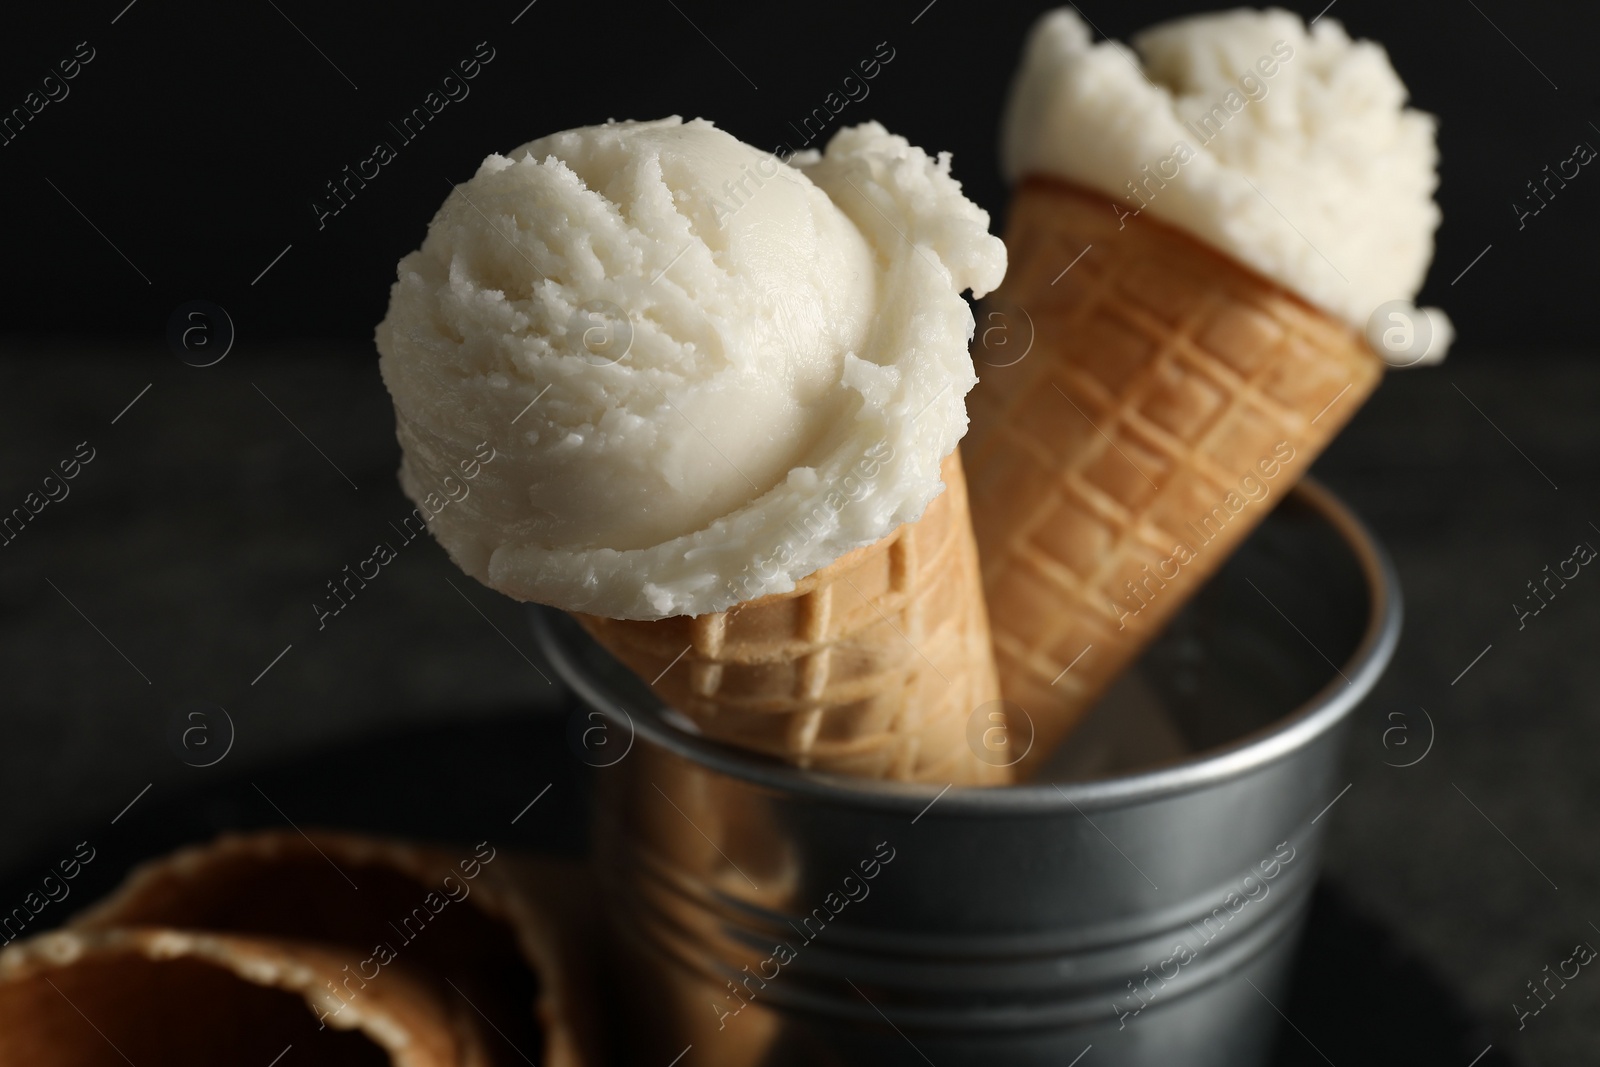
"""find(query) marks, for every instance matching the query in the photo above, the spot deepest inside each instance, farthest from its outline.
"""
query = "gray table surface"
(187, 556)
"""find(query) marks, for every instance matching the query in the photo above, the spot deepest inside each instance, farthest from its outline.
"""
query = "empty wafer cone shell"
(106, 998)
(1171, 397)
(873, 666)
(507, 940)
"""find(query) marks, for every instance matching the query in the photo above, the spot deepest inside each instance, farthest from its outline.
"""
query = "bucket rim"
(1346, 687)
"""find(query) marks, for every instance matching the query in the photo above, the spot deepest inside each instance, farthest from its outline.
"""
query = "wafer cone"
(510, 938)
(103, 998)
(872, 666)
(1167, 389)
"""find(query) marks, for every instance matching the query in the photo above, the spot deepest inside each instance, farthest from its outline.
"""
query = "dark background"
(183, 566)
(200, 134)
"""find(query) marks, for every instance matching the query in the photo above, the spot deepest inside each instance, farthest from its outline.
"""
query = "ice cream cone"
(872, 666)
(729, 458)
(510, 936)
(1170, 398)
(185, 999)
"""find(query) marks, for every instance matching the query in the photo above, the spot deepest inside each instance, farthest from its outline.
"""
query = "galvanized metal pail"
(1136, 915)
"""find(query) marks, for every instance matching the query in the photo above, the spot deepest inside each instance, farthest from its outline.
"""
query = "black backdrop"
(187, 153)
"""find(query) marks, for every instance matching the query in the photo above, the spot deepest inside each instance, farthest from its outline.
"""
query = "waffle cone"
(510, 937)
(1170, 398)
(872, 666)
(187, 999)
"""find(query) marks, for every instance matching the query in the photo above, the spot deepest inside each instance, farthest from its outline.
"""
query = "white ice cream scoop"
(704, 372)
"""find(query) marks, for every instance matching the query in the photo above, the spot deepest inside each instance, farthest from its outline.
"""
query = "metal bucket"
(767, 915)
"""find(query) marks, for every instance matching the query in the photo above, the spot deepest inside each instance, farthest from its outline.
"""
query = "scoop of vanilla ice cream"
(704, 373)
(1294, 151)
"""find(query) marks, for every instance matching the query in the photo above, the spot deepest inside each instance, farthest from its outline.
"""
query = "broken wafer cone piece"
(1172, 396)
(501, 941)
(872, 666)
(105, 998)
